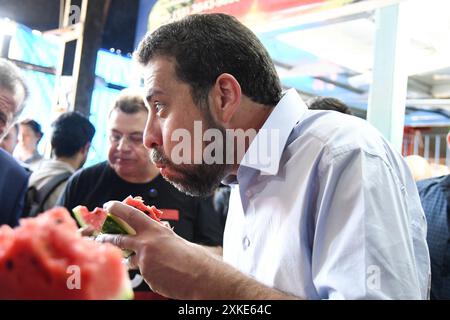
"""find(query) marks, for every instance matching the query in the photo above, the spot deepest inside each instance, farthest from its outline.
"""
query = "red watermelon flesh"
(94, 218)
(101, 221)
(45, 258)
(138, 203)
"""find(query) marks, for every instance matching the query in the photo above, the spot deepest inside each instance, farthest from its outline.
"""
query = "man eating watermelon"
(321, 206)
(129, 171)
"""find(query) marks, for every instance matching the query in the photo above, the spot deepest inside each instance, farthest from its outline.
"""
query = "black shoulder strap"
(52, 184)
(42, 194)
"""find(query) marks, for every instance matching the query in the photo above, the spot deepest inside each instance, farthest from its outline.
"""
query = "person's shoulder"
(91, 172)
(9, 164)
(336, 133)
(432, 184)
(94, 169)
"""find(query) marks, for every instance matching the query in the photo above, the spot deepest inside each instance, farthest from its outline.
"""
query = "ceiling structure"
(327, 53)
(335, 57)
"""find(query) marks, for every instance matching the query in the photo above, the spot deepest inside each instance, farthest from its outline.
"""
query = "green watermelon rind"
(112, 225)
(115, 225)
(79, 217)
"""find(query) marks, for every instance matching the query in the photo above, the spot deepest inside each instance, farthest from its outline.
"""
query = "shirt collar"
(264, 153)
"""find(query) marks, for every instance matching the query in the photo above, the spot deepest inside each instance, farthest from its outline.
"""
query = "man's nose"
(124, 144)
(152, 133)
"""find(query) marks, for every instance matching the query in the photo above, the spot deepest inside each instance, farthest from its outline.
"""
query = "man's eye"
(136, 139)
(115, 137)
(159, 106)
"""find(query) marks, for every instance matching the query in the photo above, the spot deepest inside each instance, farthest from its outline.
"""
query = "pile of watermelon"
(103, 222)
(46, 258)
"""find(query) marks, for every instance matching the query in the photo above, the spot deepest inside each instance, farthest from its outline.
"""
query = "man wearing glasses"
(129, 171)
(13, 178)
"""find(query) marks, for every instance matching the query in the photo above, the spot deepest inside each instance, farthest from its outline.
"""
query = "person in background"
(71, 138)
(328, 103)
(129, 171)
(9, 142)
(419, 166)
(435, 197)
(30, 134)
(13, 178)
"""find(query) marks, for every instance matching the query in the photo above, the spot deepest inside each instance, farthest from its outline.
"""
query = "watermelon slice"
(45, 258)
(138, 203)
(94, 219)
(103, 222)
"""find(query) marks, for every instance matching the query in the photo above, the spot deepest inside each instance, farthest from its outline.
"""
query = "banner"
(249, 12)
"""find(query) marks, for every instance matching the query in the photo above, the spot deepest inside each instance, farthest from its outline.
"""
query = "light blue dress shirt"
(333, 214)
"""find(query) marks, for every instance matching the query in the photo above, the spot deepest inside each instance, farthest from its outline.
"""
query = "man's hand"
(86, 231)
(176, 268)
(169, 264)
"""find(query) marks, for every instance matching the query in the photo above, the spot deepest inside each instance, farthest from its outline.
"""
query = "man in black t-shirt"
(129, 171)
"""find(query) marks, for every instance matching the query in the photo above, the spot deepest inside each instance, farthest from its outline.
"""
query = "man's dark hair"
(11, 78)
(16, 128)
(328, 103)
(204, 46)
(71, 132)
(33, 125)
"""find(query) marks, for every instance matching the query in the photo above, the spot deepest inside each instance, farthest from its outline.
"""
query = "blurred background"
(389, 60)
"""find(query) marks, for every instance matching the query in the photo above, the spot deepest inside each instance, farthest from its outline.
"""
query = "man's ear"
(226, 98)
(86, 148)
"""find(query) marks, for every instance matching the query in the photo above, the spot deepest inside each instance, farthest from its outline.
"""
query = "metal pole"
(386, 108)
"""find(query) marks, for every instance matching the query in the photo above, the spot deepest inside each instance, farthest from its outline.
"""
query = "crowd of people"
(335, 213)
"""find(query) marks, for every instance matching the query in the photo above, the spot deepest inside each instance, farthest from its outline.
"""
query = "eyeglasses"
(135, 139)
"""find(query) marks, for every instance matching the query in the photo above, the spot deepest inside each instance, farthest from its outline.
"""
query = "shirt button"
(245, 243)
(249, 193)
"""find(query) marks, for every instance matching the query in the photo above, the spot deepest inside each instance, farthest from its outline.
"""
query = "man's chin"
(189, 186)
(125, 170)
(192, 190)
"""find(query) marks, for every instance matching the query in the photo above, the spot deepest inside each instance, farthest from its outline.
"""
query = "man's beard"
(196, 179)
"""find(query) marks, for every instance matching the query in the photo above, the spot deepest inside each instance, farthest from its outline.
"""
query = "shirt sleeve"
(363, 247)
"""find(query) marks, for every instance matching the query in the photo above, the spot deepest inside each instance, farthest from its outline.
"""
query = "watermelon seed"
(59, 221)
(9, 265)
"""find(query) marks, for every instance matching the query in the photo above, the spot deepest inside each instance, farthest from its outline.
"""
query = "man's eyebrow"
(152, 93)
(132, 133)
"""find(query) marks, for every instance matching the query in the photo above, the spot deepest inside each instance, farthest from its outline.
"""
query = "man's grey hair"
(11, 78)
(129, 101)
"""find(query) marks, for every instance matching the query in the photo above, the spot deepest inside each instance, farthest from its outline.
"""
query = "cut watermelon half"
(45, 258)
(106, 222)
